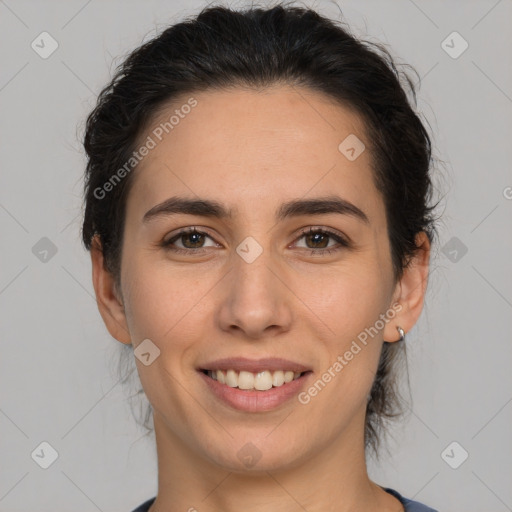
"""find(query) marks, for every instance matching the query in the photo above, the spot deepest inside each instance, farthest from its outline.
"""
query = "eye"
(191, 240)
(319, 238)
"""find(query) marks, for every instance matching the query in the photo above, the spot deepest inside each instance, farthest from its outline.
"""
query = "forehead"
(240, 121)
(254, 144)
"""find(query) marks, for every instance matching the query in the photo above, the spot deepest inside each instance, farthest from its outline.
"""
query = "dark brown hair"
(256, 48)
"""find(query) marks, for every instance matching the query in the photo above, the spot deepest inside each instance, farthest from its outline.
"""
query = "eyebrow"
(294, 208)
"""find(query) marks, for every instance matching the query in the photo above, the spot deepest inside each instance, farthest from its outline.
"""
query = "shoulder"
(409, 505)
(145, 506)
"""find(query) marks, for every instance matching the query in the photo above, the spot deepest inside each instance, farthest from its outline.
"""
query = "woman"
(257, 207)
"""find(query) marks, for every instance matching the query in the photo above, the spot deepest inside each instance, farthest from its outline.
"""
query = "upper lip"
(254, 365)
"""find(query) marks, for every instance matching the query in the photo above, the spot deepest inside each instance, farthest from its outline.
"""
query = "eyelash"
(343, 243)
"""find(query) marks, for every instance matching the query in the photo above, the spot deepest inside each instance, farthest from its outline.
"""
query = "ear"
(110, 305)
(410, 290)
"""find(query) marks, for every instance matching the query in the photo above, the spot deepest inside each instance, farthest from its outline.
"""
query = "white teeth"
(260, 381)
(231, 378)
(245, 380)
(278, 378)
(263, 381)
(288, 376)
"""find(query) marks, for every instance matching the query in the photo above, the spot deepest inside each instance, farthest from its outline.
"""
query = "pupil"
(315, 235)
(191, 235)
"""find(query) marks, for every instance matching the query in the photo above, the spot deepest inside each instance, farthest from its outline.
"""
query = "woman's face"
(251, 286)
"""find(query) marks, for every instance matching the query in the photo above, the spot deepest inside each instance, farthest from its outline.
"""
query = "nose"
(256, 301)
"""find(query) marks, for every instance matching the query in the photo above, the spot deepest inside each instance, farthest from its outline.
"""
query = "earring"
(401, 332)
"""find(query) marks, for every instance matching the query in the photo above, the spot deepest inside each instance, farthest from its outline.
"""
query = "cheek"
(166, 306)
(164, 309)
(348, 308)
(144, 306)
(349, 300)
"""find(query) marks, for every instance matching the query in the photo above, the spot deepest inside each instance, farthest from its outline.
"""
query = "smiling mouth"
(250, 381)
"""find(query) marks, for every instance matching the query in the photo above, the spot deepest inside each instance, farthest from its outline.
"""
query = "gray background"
(58, 375)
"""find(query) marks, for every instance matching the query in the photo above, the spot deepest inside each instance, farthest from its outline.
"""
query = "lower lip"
(255, 401)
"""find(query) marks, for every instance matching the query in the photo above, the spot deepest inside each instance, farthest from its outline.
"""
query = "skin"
(253, 151)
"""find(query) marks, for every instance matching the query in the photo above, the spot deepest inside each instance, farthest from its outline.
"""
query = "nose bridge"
(255, 297)
(252, 278)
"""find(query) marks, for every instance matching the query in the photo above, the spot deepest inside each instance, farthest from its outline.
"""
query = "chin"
(254, 455)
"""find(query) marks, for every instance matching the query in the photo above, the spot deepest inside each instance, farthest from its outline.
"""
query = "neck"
(333, 479)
